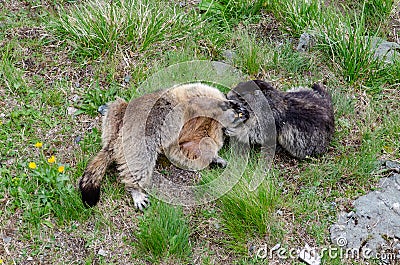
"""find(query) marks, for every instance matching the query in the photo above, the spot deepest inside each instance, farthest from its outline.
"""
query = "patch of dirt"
(113, 241)
(13, 6)
(30, 33)
(206, 236)
(394, 25)
(175, 174)
(268, 29)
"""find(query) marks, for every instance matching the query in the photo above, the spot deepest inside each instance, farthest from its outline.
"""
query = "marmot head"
(245, 91)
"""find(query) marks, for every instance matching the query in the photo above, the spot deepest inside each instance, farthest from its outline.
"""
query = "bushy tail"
(320, 89)
(89, 184)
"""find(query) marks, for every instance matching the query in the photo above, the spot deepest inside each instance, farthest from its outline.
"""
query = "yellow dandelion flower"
(1, 261)
(32, 165)
(38, 144)
(61, 169)
(51, 160)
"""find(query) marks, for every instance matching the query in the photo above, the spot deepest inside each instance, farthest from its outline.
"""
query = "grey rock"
(75, 98)
(127, 78)
(102, 109)
(392, 164)
(252, 248)
(77, 139)
(102, 253)
(306, 42)
(376, 217)
(228, 55)
(71, 110)
(385, 50)
(7, 239)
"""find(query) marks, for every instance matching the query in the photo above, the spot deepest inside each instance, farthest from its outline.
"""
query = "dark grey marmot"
(303, 117)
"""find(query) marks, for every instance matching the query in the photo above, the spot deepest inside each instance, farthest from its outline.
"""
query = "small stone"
(29, 259)
(77, 139)
(102, 253)
(279, 212)
(306, 42)
(127, 78)
(384, 50)
(216, 225)
(77, 84)
(7, 239)
(228, 55)
(71, 110)
(102, 109)
(252, 248)
(392, 164)
(75, 98)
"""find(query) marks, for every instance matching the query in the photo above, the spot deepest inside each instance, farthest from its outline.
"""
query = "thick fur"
(134, 134)
(304, 118)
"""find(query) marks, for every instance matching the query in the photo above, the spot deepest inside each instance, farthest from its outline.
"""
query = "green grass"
(250, 215)
(377, 12)
(43, 192)
(12, 77)
(297, 16)
(344, 34)
(254, 56)
(60, 54)
(164, 232)
(94, 98)
(350, 47)
(98, 27)
(228, 13)
(250, 57)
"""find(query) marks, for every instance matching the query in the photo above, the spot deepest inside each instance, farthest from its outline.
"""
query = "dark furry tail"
(320, 89)
(89, 184)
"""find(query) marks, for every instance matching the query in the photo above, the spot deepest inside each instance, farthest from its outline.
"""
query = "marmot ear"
(264, 86)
